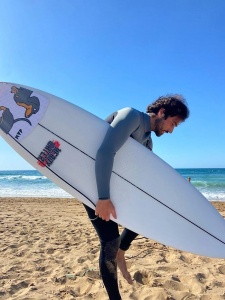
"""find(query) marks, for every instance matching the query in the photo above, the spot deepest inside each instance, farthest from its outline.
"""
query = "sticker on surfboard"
(49, 154)
(20, 110)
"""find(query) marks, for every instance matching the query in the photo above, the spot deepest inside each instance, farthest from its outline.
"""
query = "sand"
(49, 250)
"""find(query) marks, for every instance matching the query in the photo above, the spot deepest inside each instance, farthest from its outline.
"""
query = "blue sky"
(107, 54)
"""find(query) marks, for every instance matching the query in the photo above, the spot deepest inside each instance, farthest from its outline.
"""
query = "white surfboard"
(60, 140)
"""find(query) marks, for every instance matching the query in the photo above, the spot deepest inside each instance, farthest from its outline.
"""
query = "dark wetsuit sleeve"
(125, 122)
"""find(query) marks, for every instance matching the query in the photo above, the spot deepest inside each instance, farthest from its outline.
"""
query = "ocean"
(30, 183)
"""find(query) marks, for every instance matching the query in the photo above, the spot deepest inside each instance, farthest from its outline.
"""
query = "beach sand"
(49, 250)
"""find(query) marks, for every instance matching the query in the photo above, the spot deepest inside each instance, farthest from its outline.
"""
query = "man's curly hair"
(174, 105)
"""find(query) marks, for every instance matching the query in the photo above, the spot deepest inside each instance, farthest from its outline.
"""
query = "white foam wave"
(22, 177)
(43, 193)
(219, 196)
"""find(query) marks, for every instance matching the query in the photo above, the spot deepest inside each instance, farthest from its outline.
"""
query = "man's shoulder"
(126, 113)
(129, 111)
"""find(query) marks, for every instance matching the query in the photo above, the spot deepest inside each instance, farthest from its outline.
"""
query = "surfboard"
(60, 140)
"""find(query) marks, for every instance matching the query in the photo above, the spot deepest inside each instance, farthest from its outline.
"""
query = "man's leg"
(108, 233)
(127, 237)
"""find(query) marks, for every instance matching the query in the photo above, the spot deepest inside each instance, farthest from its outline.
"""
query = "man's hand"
(104, 208)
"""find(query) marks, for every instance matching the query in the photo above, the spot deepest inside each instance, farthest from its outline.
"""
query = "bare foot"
(123, 266)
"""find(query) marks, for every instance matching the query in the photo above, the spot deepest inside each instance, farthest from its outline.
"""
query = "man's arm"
(126, 121)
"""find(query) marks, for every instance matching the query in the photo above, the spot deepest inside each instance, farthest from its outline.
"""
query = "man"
(161, 117)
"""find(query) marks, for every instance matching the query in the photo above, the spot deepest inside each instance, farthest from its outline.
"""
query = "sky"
(104, 55)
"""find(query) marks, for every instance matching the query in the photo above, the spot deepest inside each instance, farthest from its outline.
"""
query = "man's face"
(166, 126)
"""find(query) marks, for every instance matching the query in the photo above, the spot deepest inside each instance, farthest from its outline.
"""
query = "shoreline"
(49, 250)
(71, 197)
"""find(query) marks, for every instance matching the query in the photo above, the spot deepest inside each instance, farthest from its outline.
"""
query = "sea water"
(30, 183)
(209, 181)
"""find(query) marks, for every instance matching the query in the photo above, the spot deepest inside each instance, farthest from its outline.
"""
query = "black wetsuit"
(124, 123)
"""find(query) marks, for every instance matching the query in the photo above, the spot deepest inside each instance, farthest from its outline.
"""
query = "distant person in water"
(162, 116)
(189, 179)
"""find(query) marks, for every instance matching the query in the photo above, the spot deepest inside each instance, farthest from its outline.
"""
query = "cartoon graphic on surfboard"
(20, 110)
(23, 98)
(7, 120)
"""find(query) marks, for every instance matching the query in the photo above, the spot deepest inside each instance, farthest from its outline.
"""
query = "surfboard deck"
(60, 140)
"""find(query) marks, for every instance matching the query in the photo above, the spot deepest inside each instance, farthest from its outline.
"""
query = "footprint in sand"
(154, 279)
(222, 269)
